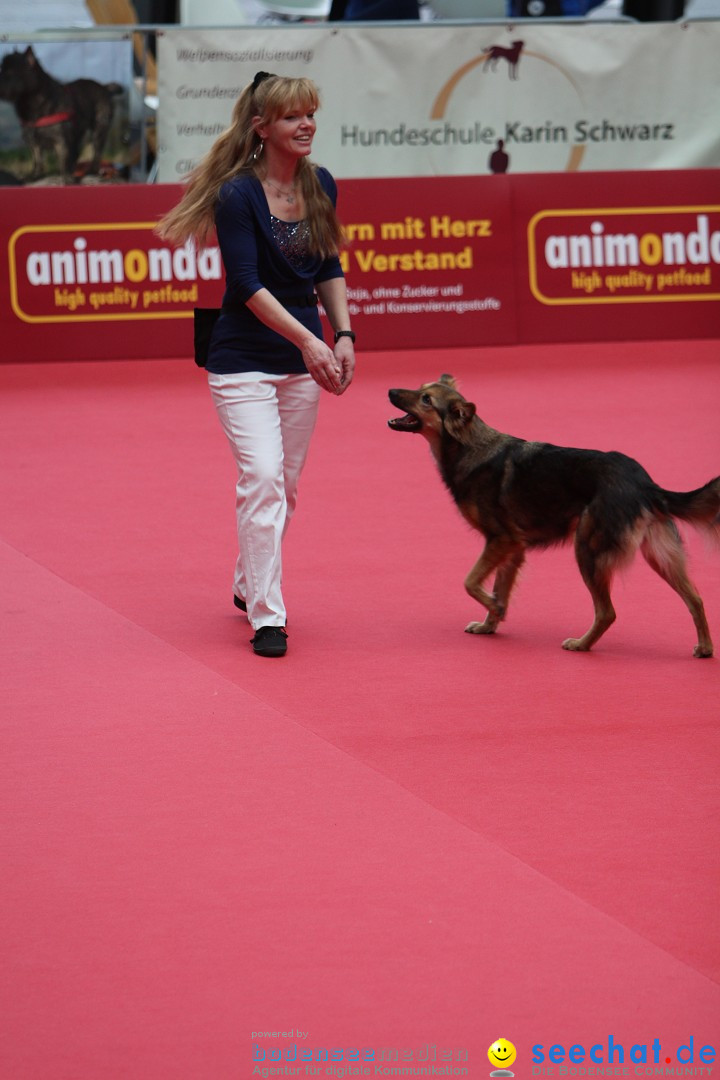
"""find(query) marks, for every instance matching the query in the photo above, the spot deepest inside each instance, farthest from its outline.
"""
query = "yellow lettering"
(651, 249)
(136, 265)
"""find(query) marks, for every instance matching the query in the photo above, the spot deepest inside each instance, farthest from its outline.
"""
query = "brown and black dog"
(523, 495)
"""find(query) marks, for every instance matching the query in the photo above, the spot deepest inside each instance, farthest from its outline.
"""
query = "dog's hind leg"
(505, 557)
(596, 566)
(663, 551)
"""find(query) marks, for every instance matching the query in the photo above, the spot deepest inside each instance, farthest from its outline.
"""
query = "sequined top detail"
(292, 237)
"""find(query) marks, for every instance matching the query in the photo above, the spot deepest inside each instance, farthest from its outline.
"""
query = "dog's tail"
(700, 508)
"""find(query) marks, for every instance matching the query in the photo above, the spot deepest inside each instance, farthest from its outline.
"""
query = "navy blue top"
(252, 260)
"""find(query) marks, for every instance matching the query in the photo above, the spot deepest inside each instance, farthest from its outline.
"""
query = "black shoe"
(239, 603)
(270, 641)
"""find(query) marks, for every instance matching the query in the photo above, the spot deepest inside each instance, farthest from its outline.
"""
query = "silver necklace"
(288, 196)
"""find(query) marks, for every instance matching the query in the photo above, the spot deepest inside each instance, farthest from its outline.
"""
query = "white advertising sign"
(452, 100)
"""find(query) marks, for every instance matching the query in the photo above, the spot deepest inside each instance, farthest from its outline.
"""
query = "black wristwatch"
(344, 333)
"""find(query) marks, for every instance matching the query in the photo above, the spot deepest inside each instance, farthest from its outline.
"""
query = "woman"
(279, 236)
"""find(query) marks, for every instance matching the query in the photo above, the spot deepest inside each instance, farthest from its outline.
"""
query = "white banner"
(431, 100)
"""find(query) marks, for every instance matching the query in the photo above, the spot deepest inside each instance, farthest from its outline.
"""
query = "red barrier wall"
(433, 262)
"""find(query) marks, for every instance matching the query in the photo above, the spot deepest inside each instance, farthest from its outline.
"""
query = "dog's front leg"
(35, 149)
(64, 155)
(505, 556)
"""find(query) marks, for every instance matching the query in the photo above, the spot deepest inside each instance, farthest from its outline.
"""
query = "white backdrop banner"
(453, 100)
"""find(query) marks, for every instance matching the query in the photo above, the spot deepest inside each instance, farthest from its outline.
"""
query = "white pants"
(268, 420)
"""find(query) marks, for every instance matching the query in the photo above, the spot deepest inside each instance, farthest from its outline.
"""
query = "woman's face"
(291, 135)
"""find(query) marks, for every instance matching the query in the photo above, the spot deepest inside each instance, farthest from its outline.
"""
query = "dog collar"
(48, 121)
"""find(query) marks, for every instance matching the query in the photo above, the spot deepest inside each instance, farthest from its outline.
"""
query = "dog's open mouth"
(405, 423)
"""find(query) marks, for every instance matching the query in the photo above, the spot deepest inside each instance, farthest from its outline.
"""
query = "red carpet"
(399, 835)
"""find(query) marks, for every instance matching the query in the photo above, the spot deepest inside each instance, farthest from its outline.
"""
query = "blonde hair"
(238, 151)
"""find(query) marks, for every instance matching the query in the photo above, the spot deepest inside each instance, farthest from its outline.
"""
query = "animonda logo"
(103, 271)
(613, 255)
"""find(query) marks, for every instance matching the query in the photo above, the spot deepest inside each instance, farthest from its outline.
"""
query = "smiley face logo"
(502, 1054)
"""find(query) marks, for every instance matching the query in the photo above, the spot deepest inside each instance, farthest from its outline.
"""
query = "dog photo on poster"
(65, 113)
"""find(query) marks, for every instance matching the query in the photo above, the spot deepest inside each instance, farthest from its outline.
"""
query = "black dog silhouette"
(57, 116)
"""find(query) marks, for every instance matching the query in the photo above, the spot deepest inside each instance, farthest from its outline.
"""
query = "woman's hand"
(345, 357)
(333, 297)
(318, 358)
(327, 370)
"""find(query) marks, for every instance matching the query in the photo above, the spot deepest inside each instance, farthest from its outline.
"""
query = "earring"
(257, 154)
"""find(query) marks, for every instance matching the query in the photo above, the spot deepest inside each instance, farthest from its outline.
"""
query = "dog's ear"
(448, 380)
(459, 414)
